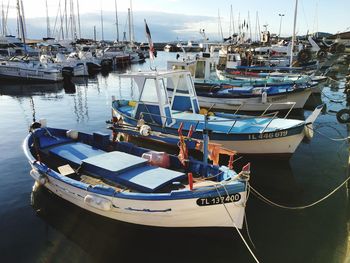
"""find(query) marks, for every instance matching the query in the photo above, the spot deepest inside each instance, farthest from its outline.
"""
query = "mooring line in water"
(246, 221)
(332, 139)
(332, 79)
(233, 223)
(332, 100)
(268, 201)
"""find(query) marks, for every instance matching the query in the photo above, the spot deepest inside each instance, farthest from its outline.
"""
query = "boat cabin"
(154, 104)
(200, 66)
(233, 60)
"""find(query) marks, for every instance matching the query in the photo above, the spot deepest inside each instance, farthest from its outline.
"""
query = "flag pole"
(152, 54)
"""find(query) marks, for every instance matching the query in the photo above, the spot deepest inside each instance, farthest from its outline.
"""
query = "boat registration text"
(267, 135)
(219, 199)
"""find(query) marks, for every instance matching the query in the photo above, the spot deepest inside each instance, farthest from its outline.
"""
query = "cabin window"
(149, 92)
(185, 85)
(162, 93)
(182, 86)
(232, 58)
(178, 67)
(222, 60)
(192, 69)
(200, 69)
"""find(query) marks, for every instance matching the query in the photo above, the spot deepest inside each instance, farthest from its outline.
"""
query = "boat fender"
(203, 111)
(35, 125)
(309, 131)
(304, 55)
(145, 130)
(321, 54)
(73, 134)
(98, 202)
(264, 97)
(343, 116)
(43, 123)
(42, 180)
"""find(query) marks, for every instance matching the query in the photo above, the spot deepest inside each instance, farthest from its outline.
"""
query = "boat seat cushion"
(129, 170)
(149, 179)
(115, 162)
(127, 110)
(74, 153)
(47, 140)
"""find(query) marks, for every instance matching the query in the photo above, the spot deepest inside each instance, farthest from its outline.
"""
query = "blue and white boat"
(263, 135)
(121, 181)
(246, 95)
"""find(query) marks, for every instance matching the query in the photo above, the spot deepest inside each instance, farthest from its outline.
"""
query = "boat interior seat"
(74, 152)
(130, 171)
(127, 110)
(46, 140)
(124, 106)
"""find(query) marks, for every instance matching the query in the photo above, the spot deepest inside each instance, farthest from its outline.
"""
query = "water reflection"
(26, 90)
(104, 239)
(81, 108)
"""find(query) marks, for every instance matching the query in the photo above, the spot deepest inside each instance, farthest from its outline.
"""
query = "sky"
(181, 19)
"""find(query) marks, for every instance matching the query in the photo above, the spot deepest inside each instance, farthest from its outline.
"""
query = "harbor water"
(40, 227)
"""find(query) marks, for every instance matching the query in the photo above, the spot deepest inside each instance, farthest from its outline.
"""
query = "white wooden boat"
(121, 181)
(246, 95)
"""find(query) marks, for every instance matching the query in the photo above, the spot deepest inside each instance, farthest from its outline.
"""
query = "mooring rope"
(246, 221)
(333, 100)
(233, 222)
(326, 136)
(268, 201)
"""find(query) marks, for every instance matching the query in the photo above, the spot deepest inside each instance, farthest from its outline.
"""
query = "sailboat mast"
(129, 22)
(102, 32)
(293, 37)
(116, 19)
(3, 19)
(220, 27)
(20, 22)
(24, 27)
(230, 27)
(61, 18)
(233, 22)
(78, 12)
(132, 23)
(95, 33)
(48, 31)
(65, 17)
(250, 28)
(72, 20)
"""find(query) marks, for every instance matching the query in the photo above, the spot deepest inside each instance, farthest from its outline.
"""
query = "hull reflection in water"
(99, 239)
(26, 90)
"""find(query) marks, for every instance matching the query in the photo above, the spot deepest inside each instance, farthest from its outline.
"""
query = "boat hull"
(274, 102)
(14, 73)
(282, 147)
(162, 213)
(280, 143)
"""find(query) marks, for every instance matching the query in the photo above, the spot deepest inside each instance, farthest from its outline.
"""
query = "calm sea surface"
(39, 227)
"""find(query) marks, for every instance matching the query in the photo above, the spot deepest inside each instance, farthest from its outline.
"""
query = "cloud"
(164, 26)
